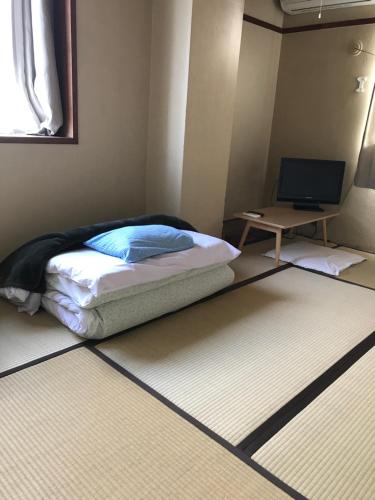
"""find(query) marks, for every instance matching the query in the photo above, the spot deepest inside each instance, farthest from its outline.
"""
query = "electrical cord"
(273, 199)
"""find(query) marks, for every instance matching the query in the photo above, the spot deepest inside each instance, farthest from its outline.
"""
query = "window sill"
(33, 139)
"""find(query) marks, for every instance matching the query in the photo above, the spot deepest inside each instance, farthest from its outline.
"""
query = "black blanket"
(25, 267)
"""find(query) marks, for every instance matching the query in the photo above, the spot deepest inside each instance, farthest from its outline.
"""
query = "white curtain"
(30, 101)
(365, 175)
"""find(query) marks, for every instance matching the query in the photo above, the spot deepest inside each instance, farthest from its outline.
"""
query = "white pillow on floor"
(326, 260)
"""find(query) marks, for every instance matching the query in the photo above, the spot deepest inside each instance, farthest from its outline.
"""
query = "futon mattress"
(118, 315)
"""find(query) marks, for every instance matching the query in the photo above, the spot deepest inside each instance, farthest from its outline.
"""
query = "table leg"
(244, 235)
(325, 238)
(278, 247)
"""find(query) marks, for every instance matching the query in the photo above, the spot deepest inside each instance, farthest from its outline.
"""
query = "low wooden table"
(276, 219)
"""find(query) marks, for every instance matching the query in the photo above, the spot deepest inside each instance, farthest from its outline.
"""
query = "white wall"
(52, 187)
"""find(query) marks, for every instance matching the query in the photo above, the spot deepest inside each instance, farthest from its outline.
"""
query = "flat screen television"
(309, 182)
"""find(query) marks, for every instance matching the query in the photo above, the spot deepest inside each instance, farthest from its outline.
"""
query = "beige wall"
(195, 53)
(255, 100)
(171, 29)
(214, 56)
(319, 115)
(266, 10)
(48, 188)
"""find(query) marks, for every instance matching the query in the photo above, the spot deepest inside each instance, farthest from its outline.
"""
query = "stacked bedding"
(96, 295)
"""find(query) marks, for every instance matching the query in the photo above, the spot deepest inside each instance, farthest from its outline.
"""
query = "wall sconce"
(356, 48)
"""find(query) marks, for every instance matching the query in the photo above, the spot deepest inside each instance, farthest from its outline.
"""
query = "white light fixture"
(361, 80)
(321, 8)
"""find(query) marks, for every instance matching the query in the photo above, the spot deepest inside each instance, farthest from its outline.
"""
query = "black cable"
(273, 190)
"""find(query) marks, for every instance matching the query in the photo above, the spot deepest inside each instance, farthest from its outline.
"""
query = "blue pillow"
(135, 243)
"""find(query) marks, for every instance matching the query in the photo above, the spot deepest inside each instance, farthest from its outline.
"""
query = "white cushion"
(327, 260)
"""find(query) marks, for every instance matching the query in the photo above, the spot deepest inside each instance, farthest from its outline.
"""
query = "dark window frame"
(66, 57)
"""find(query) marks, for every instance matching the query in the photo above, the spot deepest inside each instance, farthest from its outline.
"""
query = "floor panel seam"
(336, 278)
(42, 359)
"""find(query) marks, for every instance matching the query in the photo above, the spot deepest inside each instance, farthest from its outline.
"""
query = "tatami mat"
(74, 428)
(363, 273)
(24, 338)
(235, 360)
(327, 451)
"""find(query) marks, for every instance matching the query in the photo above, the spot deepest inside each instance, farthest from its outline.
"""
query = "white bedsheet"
(83, 297)
(90, 275)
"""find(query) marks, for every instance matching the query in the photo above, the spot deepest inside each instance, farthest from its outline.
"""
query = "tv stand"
(308, 207)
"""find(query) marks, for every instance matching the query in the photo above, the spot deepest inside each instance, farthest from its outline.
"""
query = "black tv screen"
(310, 181)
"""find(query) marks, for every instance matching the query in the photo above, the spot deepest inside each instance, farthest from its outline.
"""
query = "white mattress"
(91, 278)
(116, 316)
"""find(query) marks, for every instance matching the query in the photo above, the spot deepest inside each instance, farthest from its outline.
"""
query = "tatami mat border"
(352, 282)
(37, 361)
(337, 246)
(282, 417)
(228, 446)
(336, 278)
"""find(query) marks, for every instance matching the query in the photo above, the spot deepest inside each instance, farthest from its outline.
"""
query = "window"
(38, 71)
